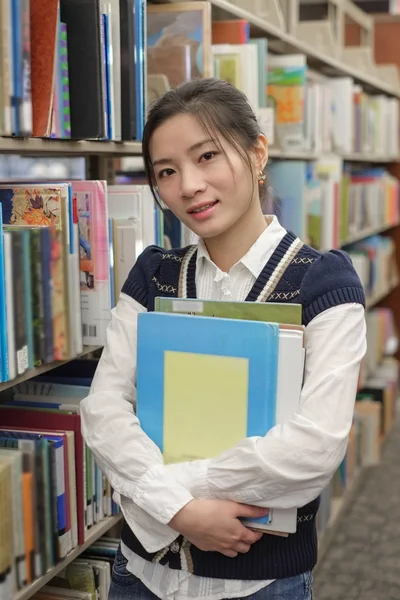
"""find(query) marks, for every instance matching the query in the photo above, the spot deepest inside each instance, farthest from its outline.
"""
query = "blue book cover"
(108, 74)
(288, 179)
(205, 383)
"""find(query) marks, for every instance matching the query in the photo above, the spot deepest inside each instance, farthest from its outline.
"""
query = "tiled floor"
(363, 561)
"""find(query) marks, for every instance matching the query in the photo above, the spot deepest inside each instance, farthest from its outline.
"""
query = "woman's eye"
(208, 155)
(165, 173)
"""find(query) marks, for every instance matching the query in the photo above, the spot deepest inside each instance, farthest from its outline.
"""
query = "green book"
(275, 312)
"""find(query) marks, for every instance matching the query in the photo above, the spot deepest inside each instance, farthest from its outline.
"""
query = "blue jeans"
(125, 586)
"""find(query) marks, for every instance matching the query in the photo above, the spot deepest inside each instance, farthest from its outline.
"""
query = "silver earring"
(261, 177)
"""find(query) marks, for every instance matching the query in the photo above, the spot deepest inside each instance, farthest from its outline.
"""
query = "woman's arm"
(294, 462)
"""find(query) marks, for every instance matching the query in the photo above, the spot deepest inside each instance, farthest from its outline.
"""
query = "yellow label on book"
(205, 404)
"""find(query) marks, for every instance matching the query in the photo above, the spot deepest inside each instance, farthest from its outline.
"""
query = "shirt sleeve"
(294, 462)
(131, 461)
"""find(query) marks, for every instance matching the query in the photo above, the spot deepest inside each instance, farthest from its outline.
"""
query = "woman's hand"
(214, 525)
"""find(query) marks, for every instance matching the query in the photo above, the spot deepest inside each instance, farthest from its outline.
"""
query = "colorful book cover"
(274, 312)
(95, 281)
(228, 67)
(25, 205)
(202, 374)
(286, 94)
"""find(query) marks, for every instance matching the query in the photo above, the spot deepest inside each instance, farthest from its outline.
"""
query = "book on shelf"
(329, 204)
(59, 491)
(66, 249)
(374, 260)
(208, 372)
(312, 113)
(67, 83)
(374, 411)
(86, 577)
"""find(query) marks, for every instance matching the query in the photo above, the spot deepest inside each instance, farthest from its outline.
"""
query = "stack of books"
(211, 373)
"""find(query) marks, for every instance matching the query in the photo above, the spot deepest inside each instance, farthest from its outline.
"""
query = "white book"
(343, 114)
(134, 202)
(126, 236)
(290, 381)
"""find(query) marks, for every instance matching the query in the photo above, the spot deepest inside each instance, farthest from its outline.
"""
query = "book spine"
(19, 304)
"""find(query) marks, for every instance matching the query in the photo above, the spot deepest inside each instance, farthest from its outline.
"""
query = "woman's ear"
(261, 152)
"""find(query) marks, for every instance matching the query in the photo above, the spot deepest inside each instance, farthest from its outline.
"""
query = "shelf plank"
(43, 147)
(354, 157)
(44, 368)
(288, 43)
(374, 300)
(370, 158)
(367, 233)
(93, 534)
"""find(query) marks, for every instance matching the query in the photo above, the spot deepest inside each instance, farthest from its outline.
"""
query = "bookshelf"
(286, 42)
(101, 159)
(94, 534)
(87, 350)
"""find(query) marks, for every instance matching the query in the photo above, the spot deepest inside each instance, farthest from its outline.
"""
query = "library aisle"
(363, 560)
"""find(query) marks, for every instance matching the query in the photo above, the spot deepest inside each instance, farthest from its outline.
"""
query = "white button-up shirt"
(288, 467)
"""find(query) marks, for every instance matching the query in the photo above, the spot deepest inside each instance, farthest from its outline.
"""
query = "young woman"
(182, 536)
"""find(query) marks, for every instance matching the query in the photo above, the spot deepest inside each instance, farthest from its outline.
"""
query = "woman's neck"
(228, 248)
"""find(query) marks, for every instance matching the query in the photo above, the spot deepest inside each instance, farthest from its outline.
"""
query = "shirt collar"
(258, 255)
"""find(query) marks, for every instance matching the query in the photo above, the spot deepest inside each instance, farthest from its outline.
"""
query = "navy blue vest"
(295, 273)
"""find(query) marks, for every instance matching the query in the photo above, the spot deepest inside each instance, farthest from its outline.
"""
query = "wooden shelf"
(93, 534)
(280, 154)
(43, 147)
(283, 42)
(361, 235)
(44, 368)
(354, 157)
(376, 298)
(370, 158)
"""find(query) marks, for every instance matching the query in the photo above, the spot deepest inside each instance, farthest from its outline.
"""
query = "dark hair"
(218, 106)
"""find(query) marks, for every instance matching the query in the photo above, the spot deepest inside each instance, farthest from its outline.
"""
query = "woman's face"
(207, 190)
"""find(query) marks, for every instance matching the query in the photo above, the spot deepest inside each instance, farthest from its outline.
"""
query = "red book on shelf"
(44, 24)
(55, 421)
(231, 32)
